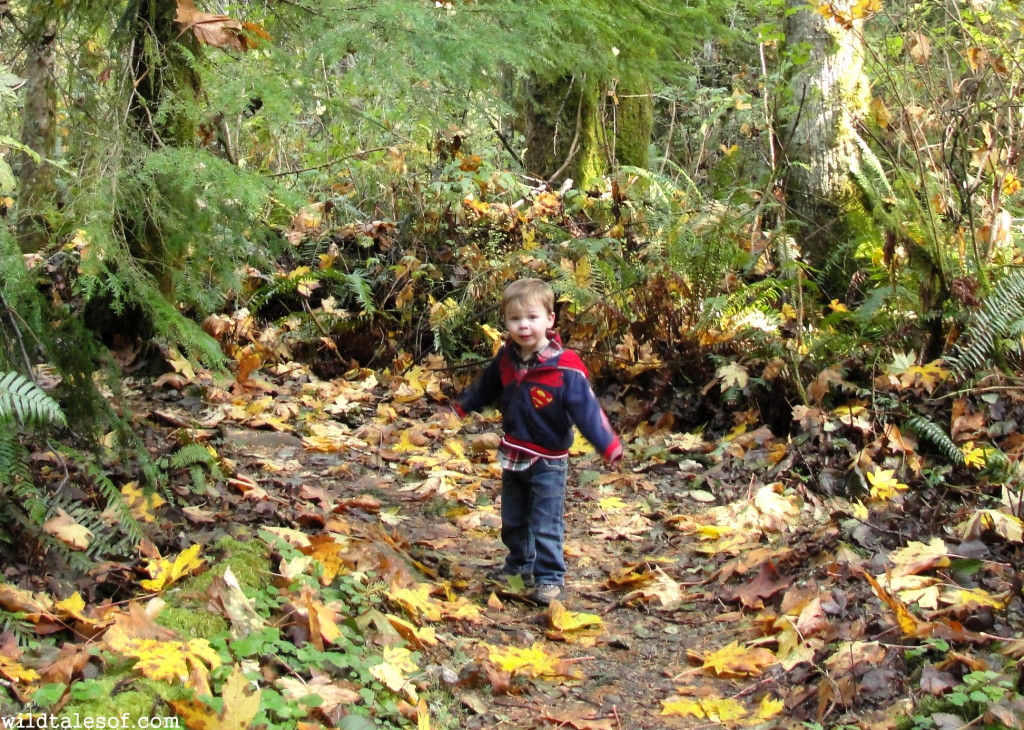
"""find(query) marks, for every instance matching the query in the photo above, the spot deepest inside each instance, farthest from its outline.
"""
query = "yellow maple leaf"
(417, 601)
(422, 715)
(15, 672)
(327, 551)
(909, 624)
(917, 557)
(164, 573)
(611, 504)
(769, 708)
(240, 707)
(977, 456)
(733, 374)
(684, 442)
(186, 662)
(714, 532)
(684, 707)
(931, 374)
(395, 669)
(533, 662)
(973, 597)
(565, 620)
(419, 636)
(407, 442)
(492, 334)
(1009, 527)
(74, 606)
(884, 486)
(736, 660)
(140, 503)
(724, 710)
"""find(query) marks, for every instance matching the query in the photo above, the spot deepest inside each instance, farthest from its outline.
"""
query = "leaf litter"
(709, 584)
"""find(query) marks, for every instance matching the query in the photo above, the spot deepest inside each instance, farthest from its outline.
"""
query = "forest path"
(708, 587)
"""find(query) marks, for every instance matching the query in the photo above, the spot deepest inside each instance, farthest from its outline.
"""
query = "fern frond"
(191, 455)
(360, 288)
(22, 630)
(1001, 314)
(871, 175)
(116, 504)
(938, 438)
(22, 399)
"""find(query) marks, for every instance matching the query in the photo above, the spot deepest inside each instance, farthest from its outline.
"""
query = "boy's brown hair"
(528, 291)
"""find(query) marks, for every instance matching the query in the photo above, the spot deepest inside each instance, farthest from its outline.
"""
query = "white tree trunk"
(829, 97)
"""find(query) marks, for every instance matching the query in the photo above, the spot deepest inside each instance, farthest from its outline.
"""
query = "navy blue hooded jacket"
(540, 404)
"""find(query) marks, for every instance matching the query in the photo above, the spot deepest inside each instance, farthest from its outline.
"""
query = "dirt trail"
(719, 586)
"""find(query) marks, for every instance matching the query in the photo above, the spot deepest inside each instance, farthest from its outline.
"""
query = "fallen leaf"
(64, 527)
(736, 660)
(164, 573)
(532, 662)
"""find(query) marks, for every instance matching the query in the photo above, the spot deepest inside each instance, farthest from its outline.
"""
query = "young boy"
(542, 390)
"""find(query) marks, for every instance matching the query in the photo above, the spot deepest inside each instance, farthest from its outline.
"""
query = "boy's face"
(528, 324)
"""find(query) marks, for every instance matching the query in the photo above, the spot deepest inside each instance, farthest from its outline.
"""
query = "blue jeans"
(533, 520)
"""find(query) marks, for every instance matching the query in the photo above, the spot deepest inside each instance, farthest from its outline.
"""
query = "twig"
(752, 688)
(329, 163)
(17, 336)
(505, 143)
(331, 345)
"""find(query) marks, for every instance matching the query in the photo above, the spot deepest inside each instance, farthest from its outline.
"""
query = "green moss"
(591, 159)
(100, 698)
(635, 119)
(192, 622)
(186, 610)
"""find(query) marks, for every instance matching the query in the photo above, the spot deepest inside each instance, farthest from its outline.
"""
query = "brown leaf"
(220, 31)
(766, 584)
(819, 387)
(68, 665)
(580, 717)
(64, 527)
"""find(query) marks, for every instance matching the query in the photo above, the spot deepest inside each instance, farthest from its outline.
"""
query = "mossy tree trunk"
(37, 186)
(166, 86)
(829, 97)
(575, 130)
(634, 125)
(163, 111)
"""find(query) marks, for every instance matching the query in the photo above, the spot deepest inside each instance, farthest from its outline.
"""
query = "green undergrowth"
(120, 695)
(274, 645)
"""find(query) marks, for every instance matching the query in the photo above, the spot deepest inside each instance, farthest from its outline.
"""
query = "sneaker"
(546, 593)
(500, 575)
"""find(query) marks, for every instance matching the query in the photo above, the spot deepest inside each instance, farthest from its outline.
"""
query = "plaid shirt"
(509, 457)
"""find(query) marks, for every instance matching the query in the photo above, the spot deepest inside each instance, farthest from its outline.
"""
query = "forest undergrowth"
(810, 528)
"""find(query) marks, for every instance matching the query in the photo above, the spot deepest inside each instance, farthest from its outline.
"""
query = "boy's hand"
(615, 458)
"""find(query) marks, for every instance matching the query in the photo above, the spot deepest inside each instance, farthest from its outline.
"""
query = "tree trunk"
(162, 68)
(564, 137)
(36, 184)
(634, 125)
(163, 111)
(573, 132)
(829, 97)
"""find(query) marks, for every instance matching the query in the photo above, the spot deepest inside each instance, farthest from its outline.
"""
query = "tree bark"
(829, 98)
(163, 111)
(634, 125)
(573, 132)
(36, 184)
(163, 73)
